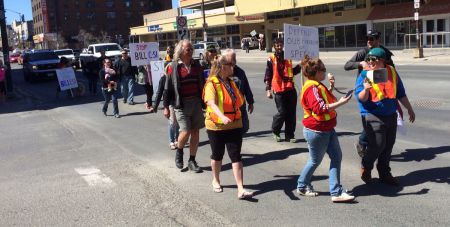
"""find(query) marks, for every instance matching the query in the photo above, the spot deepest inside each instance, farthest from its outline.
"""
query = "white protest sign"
(300, 41)
(157, 69)
(66, 78)
(143, 53)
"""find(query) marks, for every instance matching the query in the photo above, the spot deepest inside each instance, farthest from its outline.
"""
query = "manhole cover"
(428, 104)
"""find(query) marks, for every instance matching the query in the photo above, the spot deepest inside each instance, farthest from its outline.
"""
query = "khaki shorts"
(190, 117)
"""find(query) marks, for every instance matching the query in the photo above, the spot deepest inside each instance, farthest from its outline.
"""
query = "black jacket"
(159, 92)
(105, 82)
(361, 55)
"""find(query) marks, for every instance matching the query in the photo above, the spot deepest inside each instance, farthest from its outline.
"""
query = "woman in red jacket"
(319, 107)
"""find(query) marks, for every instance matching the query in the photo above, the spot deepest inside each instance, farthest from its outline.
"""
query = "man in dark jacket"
(126, 74)
(358, 61)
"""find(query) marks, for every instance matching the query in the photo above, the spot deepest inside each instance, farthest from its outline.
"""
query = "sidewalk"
(436, 56)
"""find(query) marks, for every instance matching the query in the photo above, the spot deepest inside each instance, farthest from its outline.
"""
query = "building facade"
(341, 24)
(110, 19)
(23, 34)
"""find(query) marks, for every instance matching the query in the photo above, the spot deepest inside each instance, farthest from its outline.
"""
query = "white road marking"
(94, 177)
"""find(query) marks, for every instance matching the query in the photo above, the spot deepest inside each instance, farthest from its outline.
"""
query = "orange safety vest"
(168, 58)
(224, 101)
(327, 96)
(284, 82)
(388, 89)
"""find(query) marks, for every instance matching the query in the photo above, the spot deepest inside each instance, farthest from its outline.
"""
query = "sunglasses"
(372, 59)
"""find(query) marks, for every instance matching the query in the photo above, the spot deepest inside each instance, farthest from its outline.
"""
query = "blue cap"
(377, 52)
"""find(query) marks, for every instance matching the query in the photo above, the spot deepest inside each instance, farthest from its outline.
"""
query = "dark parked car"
(40, 64)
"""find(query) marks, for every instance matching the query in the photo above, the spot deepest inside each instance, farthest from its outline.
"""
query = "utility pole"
(418, 53)
(205, 25)
(5, 45)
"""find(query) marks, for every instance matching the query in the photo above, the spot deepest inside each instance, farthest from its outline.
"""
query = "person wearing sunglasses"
(358, 61)
(378, 108)
(183, 89)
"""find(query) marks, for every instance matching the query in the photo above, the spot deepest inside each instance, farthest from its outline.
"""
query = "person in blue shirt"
(378, 107)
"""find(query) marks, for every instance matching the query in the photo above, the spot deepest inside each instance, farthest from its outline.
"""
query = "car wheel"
(201, 56)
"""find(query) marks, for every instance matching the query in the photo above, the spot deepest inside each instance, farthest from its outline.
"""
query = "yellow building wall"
(248, 7)
(187, 3)
(348, 16)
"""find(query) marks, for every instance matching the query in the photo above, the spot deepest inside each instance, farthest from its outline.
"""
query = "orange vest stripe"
(278, 84)
(327, 97)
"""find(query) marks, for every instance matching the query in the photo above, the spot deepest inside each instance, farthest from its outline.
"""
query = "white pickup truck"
(112, 51)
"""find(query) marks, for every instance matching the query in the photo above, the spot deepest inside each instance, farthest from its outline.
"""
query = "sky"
(24, 7)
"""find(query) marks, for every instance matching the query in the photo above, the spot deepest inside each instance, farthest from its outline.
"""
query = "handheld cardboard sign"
(377, 75)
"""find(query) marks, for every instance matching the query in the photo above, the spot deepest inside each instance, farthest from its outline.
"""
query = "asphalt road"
(62, 163)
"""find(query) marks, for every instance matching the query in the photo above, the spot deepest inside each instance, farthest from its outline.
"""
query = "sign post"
(418, 53)
(182, 30)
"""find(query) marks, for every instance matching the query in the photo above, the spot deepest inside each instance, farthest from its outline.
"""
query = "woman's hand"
(269, 94)
(367, 84)
(225, 119)
(412, 115)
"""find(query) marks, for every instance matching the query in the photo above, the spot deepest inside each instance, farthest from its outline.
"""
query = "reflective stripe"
(378, 91)
(307, 112)
(382, 91)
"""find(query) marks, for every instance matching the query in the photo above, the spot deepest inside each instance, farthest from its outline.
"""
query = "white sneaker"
(342, 198)
(307, 191)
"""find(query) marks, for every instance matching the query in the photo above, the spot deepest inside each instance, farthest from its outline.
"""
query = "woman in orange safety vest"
(223, 120)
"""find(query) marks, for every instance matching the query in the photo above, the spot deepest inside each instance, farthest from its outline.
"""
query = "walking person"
(109, 80)
(319, 107)
(378, 104)
(169, 54)
(126, 74)
(173, 127)
(206, 63)
(246, 46)
(223, 121)
(90, 71)
(279, 80)
(183, 89)
(144, 78)
(358, 61)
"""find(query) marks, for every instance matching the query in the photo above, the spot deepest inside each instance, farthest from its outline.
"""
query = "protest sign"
(157, 69)
(66, 78)
(143, 53)
(300, 41)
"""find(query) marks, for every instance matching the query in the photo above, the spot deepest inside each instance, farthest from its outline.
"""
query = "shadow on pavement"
(420, 154)
(434, 175)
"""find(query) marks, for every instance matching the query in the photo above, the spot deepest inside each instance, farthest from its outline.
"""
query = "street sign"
(181, 21)
(416, 5)
(416, 1)
(182, 31)
(253, 33)
(416, 16)
(153, 28)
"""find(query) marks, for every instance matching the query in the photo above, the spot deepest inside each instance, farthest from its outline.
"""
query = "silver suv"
(200, 49)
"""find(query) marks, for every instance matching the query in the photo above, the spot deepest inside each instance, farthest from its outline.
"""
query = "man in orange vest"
(279, 80)
(378, 104)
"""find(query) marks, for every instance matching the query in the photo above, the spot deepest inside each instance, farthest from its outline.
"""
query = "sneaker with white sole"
(307, 191)
(344, 197)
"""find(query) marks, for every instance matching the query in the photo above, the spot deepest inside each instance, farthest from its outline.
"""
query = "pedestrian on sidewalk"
(279, 80)
(247, 46)
(378, 105)
(109, 80)
(126, 74)
(183, 89)
(223, 120)
(210, 55)
(319, 107)
(358, 61)
(144, 78)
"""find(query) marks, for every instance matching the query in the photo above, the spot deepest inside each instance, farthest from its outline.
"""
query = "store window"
(283, 14)
(233, 29)
(350, 36)
(329, 37)
(215, 31)
(340, 36)
(361, 32)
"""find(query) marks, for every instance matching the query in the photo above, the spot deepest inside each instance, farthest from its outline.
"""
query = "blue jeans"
(127, 88)
(320, 143)
(108, 96)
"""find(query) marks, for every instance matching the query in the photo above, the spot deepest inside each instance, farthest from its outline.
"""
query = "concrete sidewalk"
(436, 56)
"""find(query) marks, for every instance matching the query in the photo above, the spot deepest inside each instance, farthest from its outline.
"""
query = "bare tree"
(85, 38)
(103, 37)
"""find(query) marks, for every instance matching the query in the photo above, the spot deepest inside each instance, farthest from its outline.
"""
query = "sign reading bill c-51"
(143, 53)
(300, 41)
(66, 78)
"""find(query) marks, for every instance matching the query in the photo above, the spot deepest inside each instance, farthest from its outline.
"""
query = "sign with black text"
(300, 41)
(143, 53)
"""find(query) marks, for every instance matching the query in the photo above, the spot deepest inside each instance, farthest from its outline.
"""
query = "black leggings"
(232, 139)
(148, 92)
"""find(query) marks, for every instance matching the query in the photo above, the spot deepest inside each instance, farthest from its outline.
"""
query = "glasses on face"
(188, 49)
(372, 59)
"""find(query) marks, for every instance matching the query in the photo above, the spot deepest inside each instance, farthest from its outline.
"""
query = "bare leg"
(193, 145)
(182, 138)
(238, 176)
(216, 166)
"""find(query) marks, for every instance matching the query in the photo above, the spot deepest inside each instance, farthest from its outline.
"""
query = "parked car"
(20, 58)
(69, 54)
(254, 44)
(13, 58)
(200, 49)
(40, 64)
(112, 51)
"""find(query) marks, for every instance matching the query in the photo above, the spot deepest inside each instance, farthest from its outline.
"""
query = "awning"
(406, 9)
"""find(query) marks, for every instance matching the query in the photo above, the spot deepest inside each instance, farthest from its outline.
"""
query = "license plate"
(51, 74)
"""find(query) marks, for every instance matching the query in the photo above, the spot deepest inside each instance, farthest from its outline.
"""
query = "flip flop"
(217, 189)
(245, 195)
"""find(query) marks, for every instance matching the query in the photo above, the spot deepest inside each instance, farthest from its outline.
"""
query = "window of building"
(142, 3)
(339, 36)
(110, 15)
(360, 4)
(338, 6)
(127, 3)
(90, 4)
(283, 14)
(215, 31)
(361, 32)
(128, 15)
(77, 3)
(350, 36)
(233, 29)
(77, 15)
(90, 15)
(109, 3)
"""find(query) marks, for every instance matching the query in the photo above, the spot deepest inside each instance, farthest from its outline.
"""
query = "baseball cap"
(377, 52)
(123, 52)
(373, 33)
(211, 48)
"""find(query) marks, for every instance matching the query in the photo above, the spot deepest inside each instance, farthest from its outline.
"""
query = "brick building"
(55, 20)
